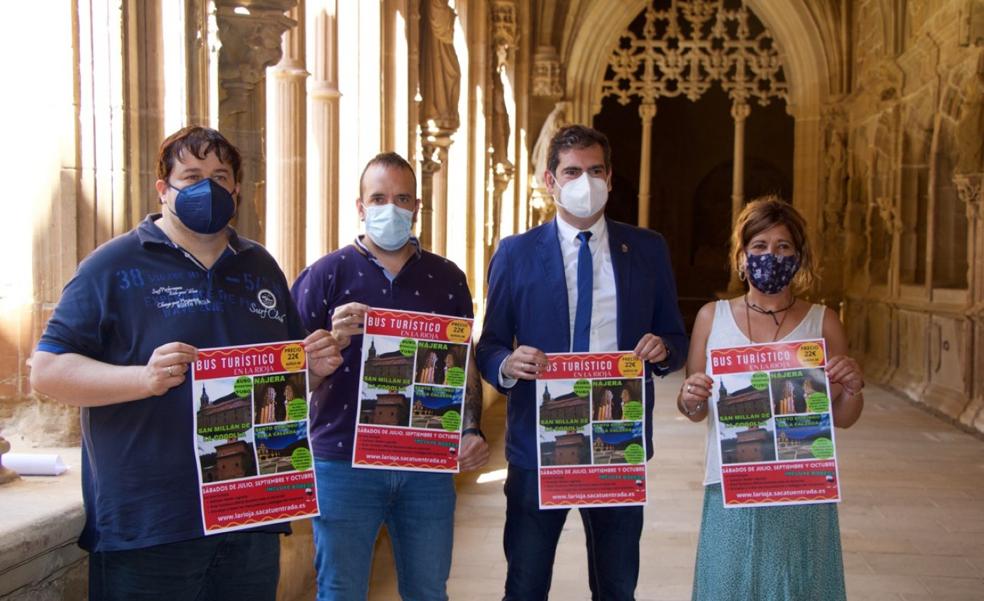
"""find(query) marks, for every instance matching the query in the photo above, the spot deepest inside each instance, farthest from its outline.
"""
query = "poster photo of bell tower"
(224, 435)
(388, 372)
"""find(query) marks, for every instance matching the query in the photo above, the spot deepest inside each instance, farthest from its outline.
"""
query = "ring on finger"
(170, 370)
(689, 387)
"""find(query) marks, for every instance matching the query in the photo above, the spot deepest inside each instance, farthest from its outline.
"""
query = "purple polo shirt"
(427, 283)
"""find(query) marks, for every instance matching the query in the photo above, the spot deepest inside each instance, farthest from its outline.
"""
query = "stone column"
(739, 112)
(415, 104)
(439, 187)
(144, 110)
(832, 245)
(429, 165)
(503, 13)
(286, 212)
(807, 148)
(434, 193)
(251, 38)
(970, 190)
(324, 123)
(196, 59)
(503, 27)
(439, 79)
(647, 110)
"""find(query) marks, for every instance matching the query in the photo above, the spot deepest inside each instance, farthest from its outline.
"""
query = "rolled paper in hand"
(35, 464)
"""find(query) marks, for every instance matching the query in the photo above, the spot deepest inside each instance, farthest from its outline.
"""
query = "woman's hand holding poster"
(771, 406)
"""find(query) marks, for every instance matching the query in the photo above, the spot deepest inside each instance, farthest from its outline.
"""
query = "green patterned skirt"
(786, 553)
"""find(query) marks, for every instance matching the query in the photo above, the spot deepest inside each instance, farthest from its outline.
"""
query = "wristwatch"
(473, 430)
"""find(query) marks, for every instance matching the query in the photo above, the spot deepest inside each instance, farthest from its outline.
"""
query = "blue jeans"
(418, 510)
(530, 540)
(237, 565)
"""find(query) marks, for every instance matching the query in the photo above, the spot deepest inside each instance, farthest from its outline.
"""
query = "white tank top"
(726, 333)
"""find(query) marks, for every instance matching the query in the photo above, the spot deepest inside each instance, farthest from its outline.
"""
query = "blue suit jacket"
(527, 305)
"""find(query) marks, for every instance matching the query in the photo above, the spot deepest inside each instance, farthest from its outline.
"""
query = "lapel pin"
(625, 248)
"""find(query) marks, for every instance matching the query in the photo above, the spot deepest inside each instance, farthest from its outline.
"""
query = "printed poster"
(251, 436)
(591, 430)
(411, 391)
(772, 412)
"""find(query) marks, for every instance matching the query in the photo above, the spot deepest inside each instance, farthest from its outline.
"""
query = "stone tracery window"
(681, 48)
(687, 46)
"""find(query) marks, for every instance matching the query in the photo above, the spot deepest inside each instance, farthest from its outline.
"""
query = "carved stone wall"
(910, 224)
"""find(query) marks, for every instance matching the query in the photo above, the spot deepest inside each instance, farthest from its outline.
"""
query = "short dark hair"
(764, 213)
(391, 160)
(199, 141)
(577, 136)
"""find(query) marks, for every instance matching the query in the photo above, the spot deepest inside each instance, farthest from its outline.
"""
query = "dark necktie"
(585, 284)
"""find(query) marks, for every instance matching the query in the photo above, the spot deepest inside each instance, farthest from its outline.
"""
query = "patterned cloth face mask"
(769, 273)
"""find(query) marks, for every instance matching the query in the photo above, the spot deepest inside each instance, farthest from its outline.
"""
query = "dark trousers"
(244, 566)
(530, 540)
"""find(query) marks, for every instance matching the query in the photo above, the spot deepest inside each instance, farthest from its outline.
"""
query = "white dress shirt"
(603, 307)
(604, 336)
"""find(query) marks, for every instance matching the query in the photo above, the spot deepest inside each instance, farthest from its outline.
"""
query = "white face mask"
(584, 196)
(388, 226)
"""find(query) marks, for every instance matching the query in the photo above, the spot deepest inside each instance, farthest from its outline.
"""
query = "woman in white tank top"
(788, 553)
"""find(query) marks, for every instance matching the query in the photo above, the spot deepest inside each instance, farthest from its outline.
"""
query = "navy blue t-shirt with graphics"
(130, 296)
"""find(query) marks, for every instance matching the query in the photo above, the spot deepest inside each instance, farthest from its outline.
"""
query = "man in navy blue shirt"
(119, 345)
(579, 283)
(386, 268)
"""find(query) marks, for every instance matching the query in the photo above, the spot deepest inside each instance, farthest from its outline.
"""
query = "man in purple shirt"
(385, 268)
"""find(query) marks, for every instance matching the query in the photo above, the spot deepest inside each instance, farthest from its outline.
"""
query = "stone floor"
(912, 519)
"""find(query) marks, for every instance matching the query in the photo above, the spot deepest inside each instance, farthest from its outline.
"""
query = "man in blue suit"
(579, 283)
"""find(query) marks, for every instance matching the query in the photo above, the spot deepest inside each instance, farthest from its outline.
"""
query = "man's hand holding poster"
(771, 406)
(251, 436)
(411, 391)
(591, 429)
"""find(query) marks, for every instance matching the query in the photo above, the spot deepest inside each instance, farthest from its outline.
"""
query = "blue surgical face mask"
(771, 273)
(388, 226)
(204, 206)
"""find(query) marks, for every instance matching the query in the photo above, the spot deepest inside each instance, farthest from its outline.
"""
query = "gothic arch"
(805, 66)
(804, 59)
(589, 49)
